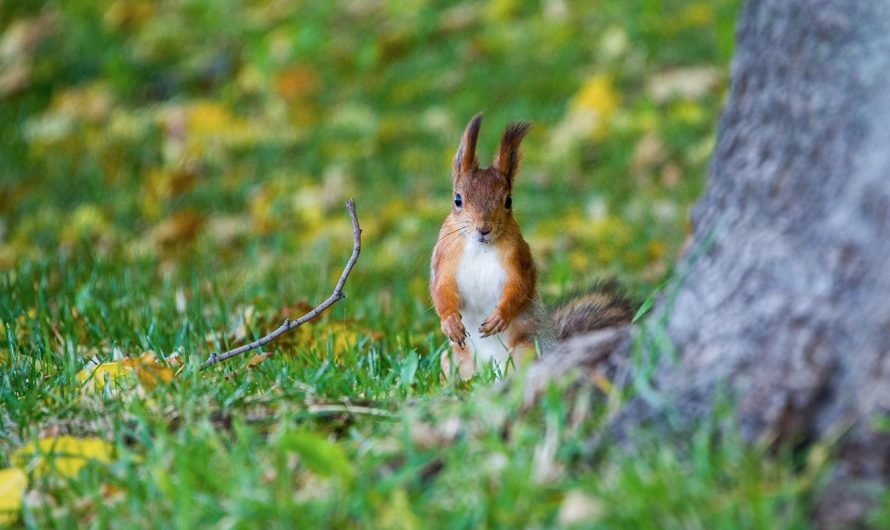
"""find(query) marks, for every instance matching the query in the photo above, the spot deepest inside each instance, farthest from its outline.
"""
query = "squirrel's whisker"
(448, 235)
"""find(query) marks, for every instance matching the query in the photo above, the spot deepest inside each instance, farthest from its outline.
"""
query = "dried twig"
(291, 324)
(353, 410)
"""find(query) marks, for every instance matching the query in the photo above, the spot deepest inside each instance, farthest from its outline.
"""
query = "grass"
(173, 182)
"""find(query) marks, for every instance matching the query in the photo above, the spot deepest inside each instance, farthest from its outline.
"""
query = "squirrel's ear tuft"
(465, 159)
(506, 161)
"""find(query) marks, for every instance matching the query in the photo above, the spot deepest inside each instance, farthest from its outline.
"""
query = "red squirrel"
(483, 278)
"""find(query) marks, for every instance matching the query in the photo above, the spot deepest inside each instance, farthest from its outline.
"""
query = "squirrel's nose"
(484, 229)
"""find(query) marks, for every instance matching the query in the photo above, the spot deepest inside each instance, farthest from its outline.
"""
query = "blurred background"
(172, 182)
(212, 143)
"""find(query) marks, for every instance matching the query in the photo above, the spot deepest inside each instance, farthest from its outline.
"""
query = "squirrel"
(483, 279)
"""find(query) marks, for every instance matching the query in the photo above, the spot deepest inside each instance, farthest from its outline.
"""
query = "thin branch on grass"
(288, 324)
(354, 410)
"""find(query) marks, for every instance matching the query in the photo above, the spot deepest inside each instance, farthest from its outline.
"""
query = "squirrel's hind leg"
(466, 365)
(521, 340)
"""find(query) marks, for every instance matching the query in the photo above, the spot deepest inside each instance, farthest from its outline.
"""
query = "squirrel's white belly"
(480, 280)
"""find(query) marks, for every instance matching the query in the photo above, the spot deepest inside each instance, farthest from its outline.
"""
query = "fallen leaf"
(97, 377)
(90, 103)
(296, 309)
(87, 222)
(341, 334)
(649, 152)
(671, 175)
(201, 124)
(18, 44)
(176, 231)
(258, 358)
(148, 370)
(65, 454)
(589, 117)
(683, 83)
(598, 100)
(695, 15)
(13, 483)
(229, 231)
(160, 186)
(128, 15)
(602, 382)
(296, 81)
(396, 513)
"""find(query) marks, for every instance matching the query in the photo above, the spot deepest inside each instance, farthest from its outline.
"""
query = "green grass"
(173, 180)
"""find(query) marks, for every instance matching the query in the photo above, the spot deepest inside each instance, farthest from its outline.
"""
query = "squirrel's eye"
(458, 200)
(509, 202)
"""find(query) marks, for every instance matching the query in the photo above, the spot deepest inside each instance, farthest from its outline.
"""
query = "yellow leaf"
(65, 454)
(206, 117)
(688, 112)
(97, 377)
(579, 260)
(342, 335)
(129, 15)
(597, 98)
(207, 121)
(656, 249)
(695, 15)
(597, 93)
(396, 514)
(149, 371)
(87, 221)
(602, 382)
(13, 483)
(501, 10)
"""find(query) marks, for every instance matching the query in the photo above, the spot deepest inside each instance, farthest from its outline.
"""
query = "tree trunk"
(784, 296)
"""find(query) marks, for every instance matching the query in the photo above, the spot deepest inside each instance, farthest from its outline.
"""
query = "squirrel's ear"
(506, 161)
(465, 159)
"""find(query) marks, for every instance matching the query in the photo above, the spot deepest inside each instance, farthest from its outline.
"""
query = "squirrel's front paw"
(453, 328)
(493, 325)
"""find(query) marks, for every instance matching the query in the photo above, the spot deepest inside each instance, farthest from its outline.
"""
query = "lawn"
(172, 183)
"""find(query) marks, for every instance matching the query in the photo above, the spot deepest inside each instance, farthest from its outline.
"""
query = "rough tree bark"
(784, 297)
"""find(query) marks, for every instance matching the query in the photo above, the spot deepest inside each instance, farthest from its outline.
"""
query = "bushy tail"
(602, 306)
